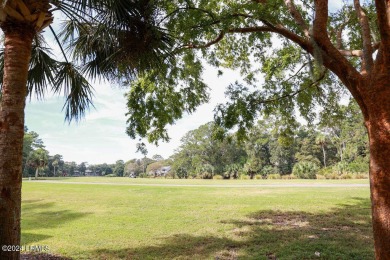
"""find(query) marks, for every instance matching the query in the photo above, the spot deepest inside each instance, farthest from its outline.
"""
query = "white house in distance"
(160, 172)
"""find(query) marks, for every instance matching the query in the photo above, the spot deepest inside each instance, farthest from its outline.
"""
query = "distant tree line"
(37, 162)
(335, 147)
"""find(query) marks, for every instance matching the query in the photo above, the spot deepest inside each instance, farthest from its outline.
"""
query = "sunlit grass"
(196, 181)
(150, 222)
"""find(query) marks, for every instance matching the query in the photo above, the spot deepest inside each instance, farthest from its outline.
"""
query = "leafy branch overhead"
(290, 60)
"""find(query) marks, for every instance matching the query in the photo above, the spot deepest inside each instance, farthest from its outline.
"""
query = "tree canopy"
(264, 40)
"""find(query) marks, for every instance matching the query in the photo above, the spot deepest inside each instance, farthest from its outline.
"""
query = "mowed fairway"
(113, 221)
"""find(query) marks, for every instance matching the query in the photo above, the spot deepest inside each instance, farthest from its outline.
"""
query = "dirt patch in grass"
(344, 233)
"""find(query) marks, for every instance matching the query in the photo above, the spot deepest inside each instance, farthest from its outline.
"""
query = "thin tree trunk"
(16, 60)
(36, 173)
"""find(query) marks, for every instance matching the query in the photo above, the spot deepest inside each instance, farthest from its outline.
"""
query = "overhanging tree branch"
(339, 34)
(358, 53)
(174, 12)
(332, 57)
(367, 60)
(202, 46)
(291, 95)
(383, 14)
(350, 53)
(320, 46)
(297, 17)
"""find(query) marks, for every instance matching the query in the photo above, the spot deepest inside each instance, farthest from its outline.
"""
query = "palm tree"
(106, 39)
(38, 160)
(55, 164)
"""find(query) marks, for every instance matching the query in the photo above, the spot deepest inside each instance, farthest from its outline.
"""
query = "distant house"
(89, 173)
(165, 170)
(160, 172)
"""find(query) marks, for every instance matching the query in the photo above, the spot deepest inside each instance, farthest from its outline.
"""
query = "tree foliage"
(199, 150)
(266, 150)
(277, 78)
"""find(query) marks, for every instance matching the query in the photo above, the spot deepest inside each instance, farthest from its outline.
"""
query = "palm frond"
(76, 88)
(42, 68)
(121, 40)
(102, 39)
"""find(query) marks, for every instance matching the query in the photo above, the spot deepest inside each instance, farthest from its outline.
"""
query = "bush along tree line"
(334, 148)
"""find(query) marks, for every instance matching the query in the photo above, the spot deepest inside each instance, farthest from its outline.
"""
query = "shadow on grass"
(43, 215)
(28, 238)
(343, 233)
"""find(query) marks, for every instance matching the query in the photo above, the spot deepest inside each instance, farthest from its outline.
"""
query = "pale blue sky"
(101, 137)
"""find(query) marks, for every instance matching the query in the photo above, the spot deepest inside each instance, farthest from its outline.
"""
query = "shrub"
(205, 171)
(289, 177)
(205, 175)
(305, 170)
(359, 165)
(267, 170)
(361, 176)
(143, 175)
(217, 177)
(340, 167)
(332, 176)
(193, 175)
(320, 177)
(244, 177)
(324, 171)
(258, 177)
(274, 176)
(346, 176)
(171, 175)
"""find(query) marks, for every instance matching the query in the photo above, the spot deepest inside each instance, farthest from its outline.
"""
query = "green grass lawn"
(126, 180)
(161, 222)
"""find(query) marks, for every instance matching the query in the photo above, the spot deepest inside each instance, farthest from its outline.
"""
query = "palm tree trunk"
(324, 153)
(16, 61)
